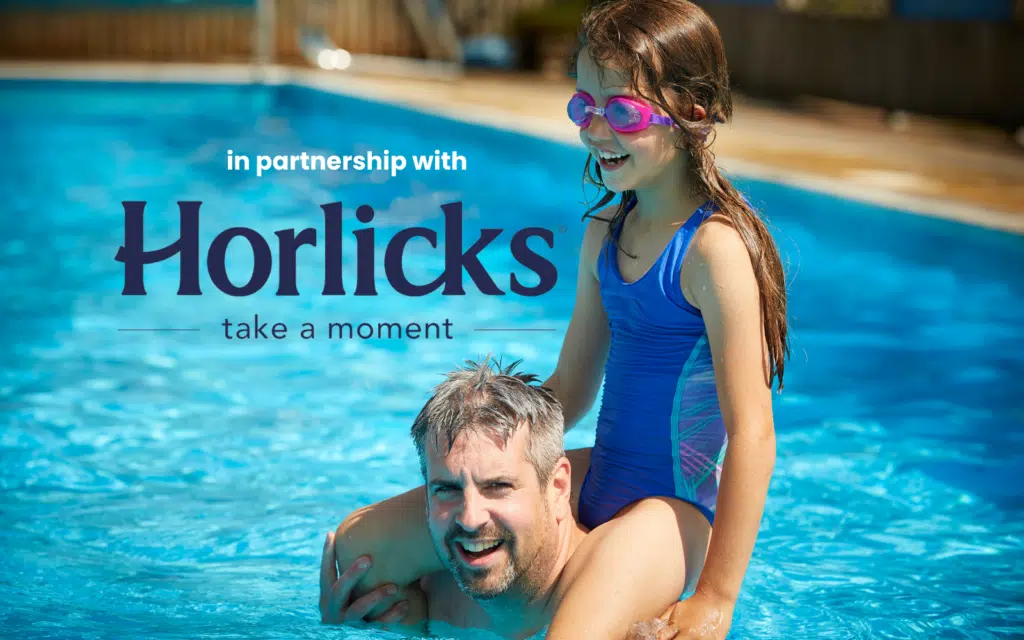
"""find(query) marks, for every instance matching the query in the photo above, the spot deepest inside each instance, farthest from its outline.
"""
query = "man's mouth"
(478, 553)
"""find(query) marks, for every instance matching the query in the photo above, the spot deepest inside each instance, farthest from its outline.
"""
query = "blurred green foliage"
(849, 8)
(554, 15)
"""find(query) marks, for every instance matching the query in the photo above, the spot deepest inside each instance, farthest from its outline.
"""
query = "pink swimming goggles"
(623, 114)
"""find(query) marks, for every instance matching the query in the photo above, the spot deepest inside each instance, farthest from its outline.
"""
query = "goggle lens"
(578, 110)
(623, 115)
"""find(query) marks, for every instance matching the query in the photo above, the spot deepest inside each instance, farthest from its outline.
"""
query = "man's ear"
(561, 487)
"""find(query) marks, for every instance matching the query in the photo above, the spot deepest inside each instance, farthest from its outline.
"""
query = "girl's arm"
(580, 369)
(726, 291)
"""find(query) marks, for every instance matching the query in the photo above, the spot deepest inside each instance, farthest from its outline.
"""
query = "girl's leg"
(394, 534)
(579, 461)
(635, 565)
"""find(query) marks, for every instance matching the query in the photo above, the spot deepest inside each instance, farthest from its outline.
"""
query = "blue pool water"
(179, 485)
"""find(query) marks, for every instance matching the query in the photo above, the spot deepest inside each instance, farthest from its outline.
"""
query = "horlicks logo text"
(457, 261)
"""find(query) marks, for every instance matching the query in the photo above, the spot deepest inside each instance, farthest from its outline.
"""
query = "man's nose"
(473, 513)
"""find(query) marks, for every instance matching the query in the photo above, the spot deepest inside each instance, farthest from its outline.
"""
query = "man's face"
(491, 521)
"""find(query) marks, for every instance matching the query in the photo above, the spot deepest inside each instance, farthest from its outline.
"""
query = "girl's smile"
(610, 160)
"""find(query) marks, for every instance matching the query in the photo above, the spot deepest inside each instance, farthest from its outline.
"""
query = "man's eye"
(501, 486)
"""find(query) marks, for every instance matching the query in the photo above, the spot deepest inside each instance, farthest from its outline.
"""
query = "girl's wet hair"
(674, 57)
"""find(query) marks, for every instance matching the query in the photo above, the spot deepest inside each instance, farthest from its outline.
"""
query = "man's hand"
(335, 593)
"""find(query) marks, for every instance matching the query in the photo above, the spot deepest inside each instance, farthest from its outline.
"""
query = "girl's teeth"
(610, 157)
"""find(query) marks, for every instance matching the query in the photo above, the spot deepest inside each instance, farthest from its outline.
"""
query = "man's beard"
(524, 570)
(488, 583)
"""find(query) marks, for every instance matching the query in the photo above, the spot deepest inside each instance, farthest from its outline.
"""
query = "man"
(499, 514)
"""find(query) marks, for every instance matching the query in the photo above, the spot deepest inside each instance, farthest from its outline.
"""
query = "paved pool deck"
(949, 169)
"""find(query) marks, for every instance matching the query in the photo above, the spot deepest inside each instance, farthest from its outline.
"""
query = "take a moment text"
(256, 328)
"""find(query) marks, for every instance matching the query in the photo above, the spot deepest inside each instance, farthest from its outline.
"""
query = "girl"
(680, 308)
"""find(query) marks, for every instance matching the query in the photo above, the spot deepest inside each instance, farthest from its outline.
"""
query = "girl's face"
(650, 155)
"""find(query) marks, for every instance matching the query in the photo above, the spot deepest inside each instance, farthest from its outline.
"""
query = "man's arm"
(405, 608)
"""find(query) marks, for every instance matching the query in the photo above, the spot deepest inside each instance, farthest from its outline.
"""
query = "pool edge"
(367, 87)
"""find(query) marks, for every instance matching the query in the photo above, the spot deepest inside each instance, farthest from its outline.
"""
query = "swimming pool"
(154, 487)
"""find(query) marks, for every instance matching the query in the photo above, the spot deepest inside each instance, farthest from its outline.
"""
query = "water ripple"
(178, 486)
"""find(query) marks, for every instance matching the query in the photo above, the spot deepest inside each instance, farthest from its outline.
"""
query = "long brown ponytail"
(674, 48)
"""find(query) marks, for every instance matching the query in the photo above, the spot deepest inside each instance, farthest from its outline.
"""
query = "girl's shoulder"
(717, 254)
(717, 236)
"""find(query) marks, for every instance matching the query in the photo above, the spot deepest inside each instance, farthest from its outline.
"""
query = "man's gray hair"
(497, 401)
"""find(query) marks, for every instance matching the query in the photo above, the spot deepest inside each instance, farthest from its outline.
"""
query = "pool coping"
(369, 87)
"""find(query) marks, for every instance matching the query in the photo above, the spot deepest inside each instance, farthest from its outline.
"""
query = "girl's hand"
(699, 617)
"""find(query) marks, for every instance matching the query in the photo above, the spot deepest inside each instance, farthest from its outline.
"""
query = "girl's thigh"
(636, 565)
(579, 460)
(677, 531)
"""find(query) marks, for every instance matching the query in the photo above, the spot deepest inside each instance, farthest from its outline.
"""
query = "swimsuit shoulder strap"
(676, 251)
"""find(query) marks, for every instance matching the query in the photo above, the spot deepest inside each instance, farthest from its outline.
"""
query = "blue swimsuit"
(659, 429)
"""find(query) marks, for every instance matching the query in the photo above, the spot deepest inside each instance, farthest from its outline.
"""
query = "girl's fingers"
(667, 633)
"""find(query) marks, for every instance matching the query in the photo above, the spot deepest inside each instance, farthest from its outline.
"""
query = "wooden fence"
(961, 68)
(968, 69)
(226, 33)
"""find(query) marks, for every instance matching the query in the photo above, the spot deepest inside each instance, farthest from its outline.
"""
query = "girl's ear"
(698, 113)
